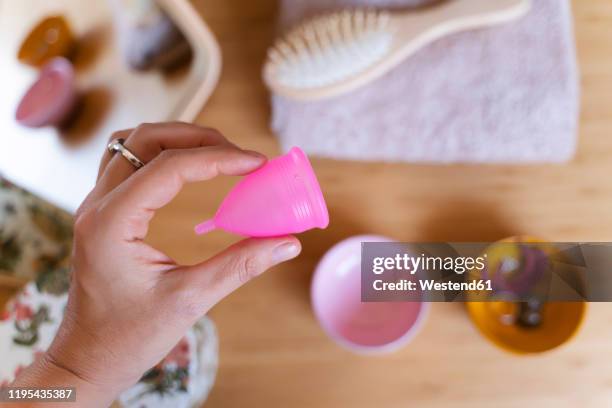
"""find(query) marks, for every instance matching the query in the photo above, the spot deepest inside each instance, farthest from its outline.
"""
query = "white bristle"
(330, 48)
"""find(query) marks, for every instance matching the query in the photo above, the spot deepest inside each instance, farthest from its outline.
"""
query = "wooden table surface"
(274, 354)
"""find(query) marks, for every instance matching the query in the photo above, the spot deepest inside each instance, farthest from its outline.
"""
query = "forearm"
(44, 374)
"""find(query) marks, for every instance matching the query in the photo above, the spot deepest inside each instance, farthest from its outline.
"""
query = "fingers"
(131, 205)
(216, 278)
(146, 142)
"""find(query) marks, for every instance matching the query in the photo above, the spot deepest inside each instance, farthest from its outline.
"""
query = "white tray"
(62, 168)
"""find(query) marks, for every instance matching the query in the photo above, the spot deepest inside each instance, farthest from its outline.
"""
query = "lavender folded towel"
(502, 94)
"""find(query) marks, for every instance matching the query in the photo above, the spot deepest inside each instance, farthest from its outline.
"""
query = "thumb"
(238, 264)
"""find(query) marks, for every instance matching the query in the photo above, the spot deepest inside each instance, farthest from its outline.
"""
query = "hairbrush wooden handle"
(410, 32)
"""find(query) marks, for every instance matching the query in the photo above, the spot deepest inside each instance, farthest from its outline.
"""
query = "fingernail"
(285, 252)
(255, 154)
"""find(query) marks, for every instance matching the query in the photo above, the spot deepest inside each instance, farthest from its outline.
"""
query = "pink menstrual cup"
(283, 197)
(51, 99)
(363, 327)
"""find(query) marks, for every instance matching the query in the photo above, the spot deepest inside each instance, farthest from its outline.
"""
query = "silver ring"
(116, 146)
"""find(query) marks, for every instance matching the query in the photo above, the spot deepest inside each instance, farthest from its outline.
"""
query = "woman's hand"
(129, 303)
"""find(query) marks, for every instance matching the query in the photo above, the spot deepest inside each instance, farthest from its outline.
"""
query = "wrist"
(45, 372)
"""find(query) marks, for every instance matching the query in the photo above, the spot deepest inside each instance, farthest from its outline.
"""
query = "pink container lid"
(51, 98)
(363, 327)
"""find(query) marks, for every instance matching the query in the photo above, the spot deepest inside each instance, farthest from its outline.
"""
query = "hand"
(129, 303)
